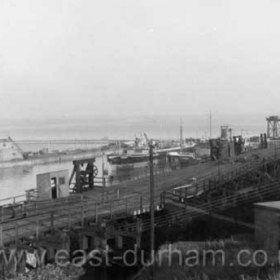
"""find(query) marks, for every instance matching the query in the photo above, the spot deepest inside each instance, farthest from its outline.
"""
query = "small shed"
(267, 225)
(52, 185)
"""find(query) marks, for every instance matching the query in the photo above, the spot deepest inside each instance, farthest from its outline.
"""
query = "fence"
(37, 217)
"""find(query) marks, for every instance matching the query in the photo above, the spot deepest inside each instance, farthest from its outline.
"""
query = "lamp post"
(152, 195)
(152, 207)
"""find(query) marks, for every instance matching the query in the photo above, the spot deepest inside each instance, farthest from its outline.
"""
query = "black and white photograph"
(140, 140)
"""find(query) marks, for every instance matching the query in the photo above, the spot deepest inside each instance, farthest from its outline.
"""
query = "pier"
(121, 210)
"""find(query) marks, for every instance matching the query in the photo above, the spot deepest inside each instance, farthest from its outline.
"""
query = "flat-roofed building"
(52, 185)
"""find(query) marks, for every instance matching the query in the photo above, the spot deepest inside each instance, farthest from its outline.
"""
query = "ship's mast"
(210, 125)
(181, 135)
(119, 142)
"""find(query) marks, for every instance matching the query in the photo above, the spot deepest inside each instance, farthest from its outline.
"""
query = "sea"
(16, 180)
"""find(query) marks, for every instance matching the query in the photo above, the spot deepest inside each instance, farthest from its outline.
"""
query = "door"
(54, 188)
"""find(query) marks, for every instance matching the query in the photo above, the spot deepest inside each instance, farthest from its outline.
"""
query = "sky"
(130, 57)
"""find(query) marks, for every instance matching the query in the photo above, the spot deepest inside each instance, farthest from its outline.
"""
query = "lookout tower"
(273, 127)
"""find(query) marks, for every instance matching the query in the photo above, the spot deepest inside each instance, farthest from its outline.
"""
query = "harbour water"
(16, 180)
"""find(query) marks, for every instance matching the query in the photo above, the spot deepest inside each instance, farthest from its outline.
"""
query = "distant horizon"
(126, 127)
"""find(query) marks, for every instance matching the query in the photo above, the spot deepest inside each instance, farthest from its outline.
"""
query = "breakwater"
(50, 158)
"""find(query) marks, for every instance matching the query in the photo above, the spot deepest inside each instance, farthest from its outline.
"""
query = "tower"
(273, 127)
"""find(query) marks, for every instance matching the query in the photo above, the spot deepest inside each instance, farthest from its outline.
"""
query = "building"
(221, 149)
(9, 150)
(267, 225)
(53, 185)
(273, 127)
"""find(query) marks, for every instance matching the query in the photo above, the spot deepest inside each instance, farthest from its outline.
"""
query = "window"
(61, 180)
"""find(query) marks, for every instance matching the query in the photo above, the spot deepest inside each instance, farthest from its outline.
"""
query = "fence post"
(204, 186)
(52, 219)
(1, 236)
(69, 217)
(162, 199)
(141, 204)
(82, 211)
(96, 214)
(37, 228)
(82, 216)
(27, 195)
(16, 233)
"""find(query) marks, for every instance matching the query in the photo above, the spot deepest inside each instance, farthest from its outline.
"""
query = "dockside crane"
(84, 171)
(150, 141)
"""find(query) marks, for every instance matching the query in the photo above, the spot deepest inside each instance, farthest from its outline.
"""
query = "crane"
(147, 139)
(150, 141)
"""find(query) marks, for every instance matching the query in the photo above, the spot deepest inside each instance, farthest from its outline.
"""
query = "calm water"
(15, 181)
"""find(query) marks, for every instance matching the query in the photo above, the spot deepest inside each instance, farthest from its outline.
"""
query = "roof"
(273, 118)
(272, 205)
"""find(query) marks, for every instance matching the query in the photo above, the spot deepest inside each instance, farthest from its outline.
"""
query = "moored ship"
(116, 159)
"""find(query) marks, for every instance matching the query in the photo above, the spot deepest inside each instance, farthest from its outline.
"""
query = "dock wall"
(49, 159)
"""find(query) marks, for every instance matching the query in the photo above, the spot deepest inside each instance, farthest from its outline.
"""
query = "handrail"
(81, 210)
(45, 206)
(12, 197)
(225, 175)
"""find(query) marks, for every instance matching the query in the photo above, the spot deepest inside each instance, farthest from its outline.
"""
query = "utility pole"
(152, 206)
(181, 136)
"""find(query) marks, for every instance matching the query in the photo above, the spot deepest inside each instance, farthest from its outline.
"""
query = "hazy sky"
(70, 57)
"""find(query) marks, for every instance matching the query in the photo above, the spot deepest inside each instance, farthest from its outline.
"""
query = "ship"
(186, 153)
(139, 152)
(134, 160)
(129, 158)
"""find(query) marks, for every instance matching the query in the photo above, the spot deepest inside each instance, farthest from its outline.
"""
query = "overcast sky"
(92, 57)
